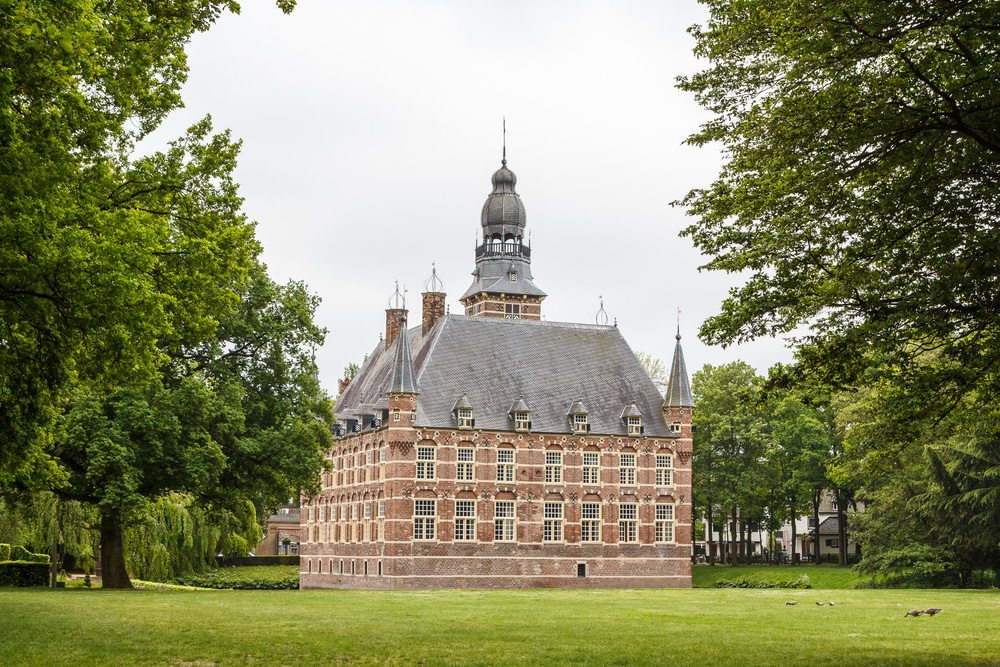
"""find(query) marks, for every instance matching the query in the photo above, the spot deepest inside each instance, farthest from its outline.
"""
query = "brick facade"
(349, 546)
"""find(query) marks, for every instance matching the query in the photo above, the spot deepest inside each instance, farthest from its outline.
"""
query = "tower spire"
(679, 386)
(504, 160)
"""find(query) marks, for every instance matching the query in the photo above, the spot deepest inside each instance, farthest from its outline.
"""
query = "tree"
(235, 421)
(860, 190)
(106, 259)
(728, 444)
(655, 369)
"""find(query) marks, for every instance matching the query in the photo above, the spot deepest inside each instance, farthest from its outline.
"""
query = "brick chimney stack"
(433, 303)
(395, 316)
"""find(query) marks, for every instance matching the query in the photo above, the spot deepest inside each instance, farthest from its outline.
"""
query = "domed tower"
(502, 285)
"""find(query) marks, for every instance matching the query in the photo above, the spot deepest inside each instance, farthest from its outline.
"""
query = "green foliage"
(24, 573)
(801, 581)
(4, 552)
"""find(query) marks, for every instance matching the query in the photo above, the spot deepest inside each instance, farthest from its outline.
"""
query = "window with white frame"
(628, 522)
(424, 514)
(664, 523)
(626, 469)
(590, 523)
(381, 518)
(465, 520)
(512, 311)
(675, 427)
(522, 421)
(425, 462)
(580, 424)
(553, 467)
(664, 470)
(465, 468)
(322, 513)
(634, 425)
(505, 465)
(552, 525)
(465, 419)
(503, 522)
(591, 468)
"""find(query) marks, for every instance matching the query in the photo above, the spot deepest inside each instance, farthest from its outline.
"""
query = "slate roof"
(679, 386)
(494, 361)
(829, 526)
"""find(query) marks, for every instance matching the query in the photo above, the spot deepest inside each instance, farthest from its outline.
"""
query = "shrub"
(287, 584)
(24, 574)
(4, 552)
(798, 582)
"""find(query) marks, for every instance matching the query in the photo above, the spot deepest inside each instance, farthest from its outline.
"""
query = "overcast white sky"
(371, 129)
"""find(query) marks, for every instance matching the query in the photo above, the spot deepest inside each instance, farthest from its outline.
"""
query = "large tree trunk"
(842, 527)
(817, 497)
(711, 535)
(795, 535)
(113, 573)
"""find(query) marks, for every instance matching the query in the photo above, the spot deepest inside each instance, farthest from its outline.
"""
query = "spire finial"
(504, 160)
(678, 323)
(602, 316)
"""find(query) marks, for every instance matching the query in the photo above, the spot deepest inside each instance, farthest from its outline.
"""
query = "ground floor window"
(465, 520)
(552, 527)
(424, 513)
(590, 524)
(628, 523)
(664, 523)
(503, 523)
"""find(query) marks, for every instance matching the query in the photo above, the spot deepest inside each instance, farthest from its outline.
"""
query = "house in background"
(281, 533)
(497, 450)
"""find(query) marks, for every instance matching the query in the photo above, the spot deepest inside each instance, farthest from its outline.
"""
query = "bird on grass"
(820, 604)
(831, 603)
(930, 611)
(792, 602)
(914, 612)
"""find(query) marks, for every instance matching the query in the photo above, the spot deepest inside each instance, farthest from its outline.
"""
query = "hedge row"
(800, 582)
(259, 560)
(20, 554)
(14, 573)
(289, 584)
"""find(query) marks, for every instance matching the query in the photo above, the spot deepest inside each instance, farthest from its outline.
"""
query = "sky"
(371, 129)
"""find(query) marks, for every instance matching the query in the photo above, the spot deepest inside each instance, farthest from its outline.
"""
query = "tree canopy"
(860, 190)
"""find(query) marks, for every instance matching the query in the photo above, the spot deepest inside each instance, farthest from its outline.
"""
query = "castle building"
(496, 450)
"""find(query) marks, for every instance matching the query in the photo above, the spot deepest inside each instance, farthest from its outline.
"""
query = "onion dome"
(503, 211)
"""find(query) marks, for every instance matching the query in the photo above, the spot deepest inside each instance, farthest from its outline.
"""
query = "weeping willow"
(172, 536)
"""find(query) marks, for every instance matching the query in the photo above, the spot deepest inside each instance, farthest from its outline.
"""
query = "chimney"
(433, 303)
(395, 316)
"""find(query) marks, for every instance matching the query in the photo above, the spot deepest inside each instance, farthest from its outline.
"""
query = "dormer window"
(578, 418)
(512, 276)
(521, 415)
(463, 413)
(521, 421)
(633, 419)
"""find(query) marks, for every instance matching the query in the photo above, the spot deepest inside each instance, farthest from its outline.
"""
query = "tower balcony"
(503, 249)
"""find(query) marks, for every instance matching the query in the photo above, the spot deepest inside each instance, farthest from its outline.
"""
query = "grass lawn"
(534, 627)
(820, 576)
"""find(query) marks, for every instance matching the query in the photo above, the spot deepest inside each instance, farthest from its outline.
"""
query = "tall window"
(664, 470)
(634, 425)
(553, 467)
(465, 419)
(465, 520)
(628, 522)
(424, 512)
(591, 468)
(580, 424)
(664, 523)
(425, 462)
(381, 519)
(503, 523)
(505, 465)
(591, 523)
(626, 469)
(552, 527)
(464, 471)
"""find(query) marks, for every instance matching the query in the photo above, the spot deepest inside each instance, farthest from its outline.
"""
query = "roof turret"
(679, 386)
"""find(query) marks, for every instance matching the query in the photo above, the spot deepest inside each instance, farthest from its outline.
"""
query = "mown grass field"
(535, 627)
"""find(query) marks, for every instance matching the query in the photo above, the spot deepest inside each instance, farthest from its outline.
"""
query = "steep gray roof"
(495, 361)
(403, 381)
(679, 386)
